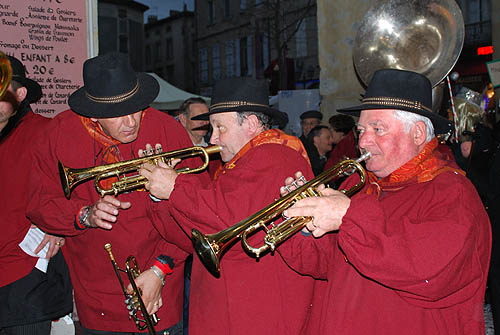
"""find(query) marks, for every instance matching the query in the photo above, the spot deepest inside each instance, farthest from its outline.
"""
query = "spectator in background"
(319, 144)
(309, 120)
(344, 138)
(31, 297)
(197, 129)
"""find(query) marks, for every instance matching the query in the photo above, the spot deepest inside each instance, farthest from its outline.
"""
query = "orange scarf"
(266, 137)
(424, 167)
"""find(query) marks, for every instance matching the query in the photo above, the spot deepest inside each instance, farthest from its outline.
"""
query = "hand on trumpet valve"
(161, 178)
(292, 184)
(149, 150)
(150, 286)
(326, 211)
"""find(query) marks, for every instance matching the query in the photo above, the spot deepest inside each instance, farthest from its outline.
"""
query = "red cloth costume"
(250, 297)
(345, 148)
(15, 166)
(99, 298)
(411, 255)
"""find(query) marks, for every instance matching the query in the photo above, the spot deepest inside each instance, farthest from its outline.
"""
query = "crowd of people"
(408, 253)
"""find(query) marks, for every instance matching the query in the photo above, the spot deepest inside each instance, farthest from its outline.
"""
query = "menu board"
(50, 38)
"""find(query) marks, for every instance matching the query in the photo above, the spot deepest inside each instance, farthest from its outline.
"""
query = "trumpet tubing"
(134, 301)
(210, 247)
(71, 177)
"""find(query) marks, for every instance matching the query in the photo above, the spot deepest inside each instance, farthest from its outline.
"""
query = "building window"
(170, 73)
(258, 3)
(204, 65)
(170, 48)
(243, 4)
(229, 50)
(211, 12)
(227, 8)
(265, 50)
(157, 52)
(246, 56)
(262, 51)
(243, 56)
(148, 55)
(168, 28)
(216, 62)
(301, 40)
(123, 44)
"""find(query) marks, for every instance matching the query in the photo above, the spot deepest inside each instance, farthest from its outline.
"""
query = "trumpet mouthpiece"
(365, 156)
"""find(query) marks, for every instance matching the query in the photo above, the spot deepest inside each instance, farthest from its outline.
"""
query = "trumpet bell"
(205, 250)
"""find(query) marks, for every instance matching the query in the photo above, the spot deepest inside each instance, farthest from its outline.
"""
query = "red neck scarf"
(269, 136)
(428, 164)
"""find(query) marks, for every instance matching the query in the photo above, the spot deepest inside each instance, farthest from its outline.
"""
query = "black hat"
(19, 75)
(312, 114)
(243, 95)
(111, 88)
(401, 90)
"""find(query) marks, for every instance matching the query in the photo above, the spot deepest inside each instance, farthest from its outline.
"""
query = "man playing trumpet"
(409, 253)
(109, 122)
(250, 297)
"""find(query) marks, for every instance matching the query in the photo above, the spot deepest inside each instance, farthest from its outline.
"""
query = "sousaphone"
(424, 36)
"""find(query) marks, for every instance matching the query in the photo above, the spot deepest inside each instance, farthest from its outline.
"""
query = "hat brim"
(34, 90)
(145, 95)
(441, 124)
(277, 117)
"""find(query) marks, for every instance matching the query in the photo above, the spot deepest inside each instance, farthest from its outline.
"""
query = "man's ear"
(21, 93)
(253, 123)
(182, 119)
(419, 133)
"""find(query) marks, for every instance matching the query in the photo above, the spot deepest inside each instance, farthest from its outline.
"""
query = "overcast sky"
(162, 8)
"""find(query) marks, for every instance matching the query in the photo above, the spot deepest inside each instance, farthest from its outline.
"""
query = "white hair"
(409, 119)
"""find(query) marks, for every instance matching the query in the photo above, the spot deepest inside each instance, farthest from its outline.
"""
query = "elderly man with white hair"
(409, 253)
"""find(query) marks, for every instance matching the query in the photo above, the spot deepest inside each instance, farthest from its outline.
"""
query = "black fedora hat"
(111, 88)
(402, 90)
(19, 74)
(243, 95)
(312, 114)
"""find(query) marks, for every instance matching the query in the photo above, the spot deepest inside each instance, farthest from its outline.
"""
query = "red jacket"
(99, 298)
(250, 297)
(413, 262)
(15, 167)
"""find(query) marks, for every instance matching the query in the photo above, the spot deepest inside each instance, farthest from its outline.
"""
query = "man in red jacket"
(109, 121)
(249, 297)
(409, 253)
(32, 292)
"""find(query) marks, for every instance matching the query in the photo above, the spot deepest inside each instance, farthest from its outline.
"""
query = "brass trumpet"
(210, 247)
(134, 302)
(5, 74)
(70, 177)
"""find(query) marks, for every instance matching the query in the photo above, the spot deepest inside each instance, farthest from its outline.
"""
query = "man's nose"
(130, 121)
(364, 139)
(214, 138)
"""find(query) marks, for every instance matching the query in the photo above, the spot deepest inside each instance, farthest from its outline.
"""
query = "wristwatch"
(84, 215)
